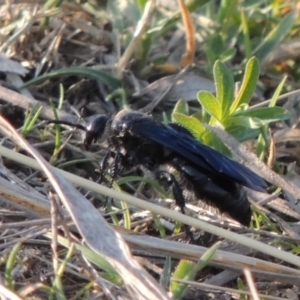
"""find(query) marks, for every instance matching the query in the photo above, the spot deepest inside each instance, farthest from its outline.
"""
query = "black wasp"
(136, 139)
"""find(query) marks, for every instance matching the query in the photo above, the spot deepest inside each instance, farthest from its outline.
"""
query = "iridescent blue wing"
(195, 152)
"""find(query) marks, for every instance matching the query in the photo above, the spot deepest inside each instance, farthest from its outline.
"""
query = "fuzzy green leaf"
(267, 114)
(224, 86)
(181, 107)
(248, 85)
(191, 123)
(210, 103)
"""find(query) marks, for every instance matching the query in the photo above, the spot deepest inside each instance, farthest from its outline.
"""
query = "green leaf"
(277, 92)
(246, 35)
(258, 117)
(210, 104)
(225, 10)
(94, 257)
(248, 85)
(241, 287)
(191, 123)
(267, 114)
(224, 87)
(183, 271)
(159, 226)
(141, 4)
(31, 119)
(211, 139)
(10, 263)
(228, 54)
(242, 134)
(165, 275)
(215, 45)
(249, 122)
(181, 107)
(187, 270)
(262, 143)
(152, 182)
(194, 125)
(197, 115)
(275, 36)
(214, 49)
(107, 79)
(165, 118)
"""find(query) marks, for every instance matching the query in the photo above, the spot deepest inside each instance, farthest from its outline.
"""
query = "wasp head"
(95, 129)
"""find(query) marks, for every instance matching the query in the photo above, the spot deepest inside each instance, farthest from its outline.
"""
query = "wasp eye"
(124, 127)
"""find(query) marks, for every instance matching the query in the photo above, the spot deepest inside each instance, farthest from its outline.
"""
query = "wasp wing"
(195, 152)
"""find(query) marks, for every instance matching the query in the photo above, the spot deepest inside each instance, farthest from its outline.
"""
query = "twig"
(141, 28)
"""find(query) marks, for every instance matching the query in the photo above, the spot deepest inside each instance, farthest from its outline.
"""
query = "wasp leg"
(114, 169)
(176, 189)
(104, 164)
(178, 196)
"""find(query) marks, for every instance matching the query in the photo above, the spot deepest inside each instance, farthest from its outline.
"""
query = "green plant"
(231, 112)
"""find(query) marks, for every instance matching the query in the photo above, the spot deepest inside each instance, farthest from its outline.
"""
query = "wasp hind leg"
(178, 196)
(114, 169)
